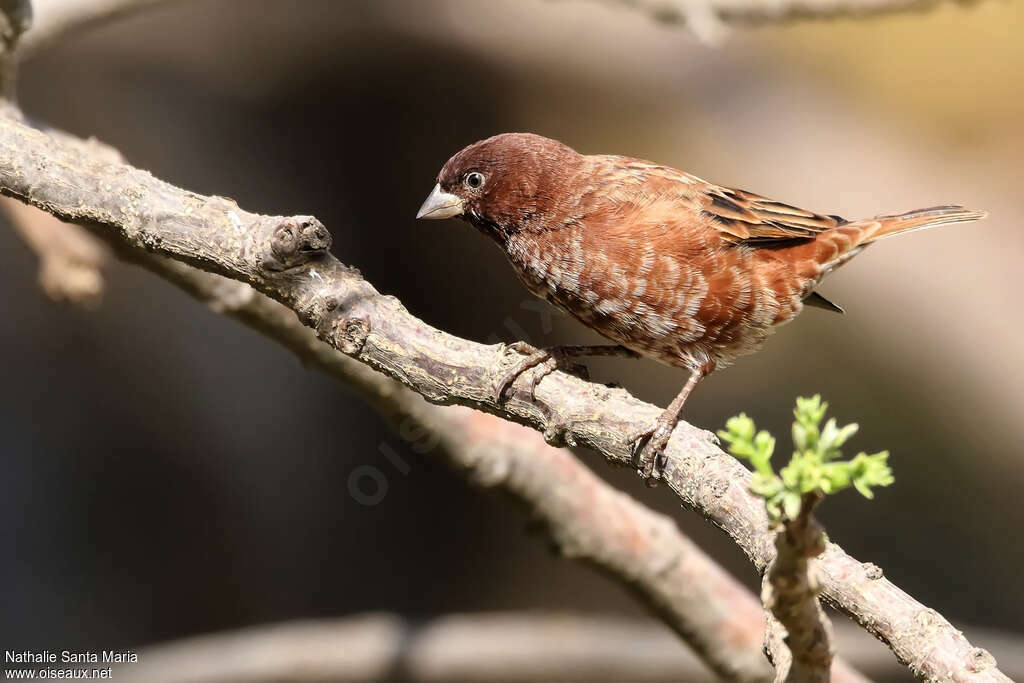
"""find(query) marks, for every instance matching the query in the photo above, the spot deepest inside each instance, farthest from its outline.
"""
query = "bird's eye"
(473, 180)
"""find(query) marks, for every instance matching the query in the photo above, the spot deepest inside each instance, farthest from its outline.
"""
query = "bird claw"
(648, 447)
(558, 434)
(533, 359)
(521, 347)
(545, 361)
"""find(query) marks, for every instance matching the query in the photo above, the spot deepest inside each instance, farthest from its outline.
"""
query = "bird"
(660, 262)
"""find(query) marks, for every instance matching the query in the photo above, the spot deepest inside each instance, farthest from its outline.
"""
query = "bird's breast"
(646, 301)
(679, 308)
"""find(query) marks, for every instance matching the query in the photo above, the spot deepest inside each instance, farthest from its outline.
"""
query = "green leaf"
(764, 485)
(799, 436)
(867, 471)
(814, 465)
(791, 474)
(739, 428)
(791, 505)
(863, 488)
(810, 411)
(845, 433)
(764, 447)
(764, 443)
(837, 474)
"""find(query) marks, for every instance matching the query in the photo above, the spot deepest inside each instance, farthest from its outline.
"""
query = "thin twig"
(799, 636)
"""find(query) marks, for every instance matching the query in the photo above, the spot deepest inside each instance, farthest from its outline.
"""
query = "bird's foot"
(545, 361)
(648, 446)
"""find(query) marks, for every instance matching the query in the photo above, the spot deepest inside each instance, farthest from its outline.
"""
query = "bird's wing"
(739, 216)
(748, 218)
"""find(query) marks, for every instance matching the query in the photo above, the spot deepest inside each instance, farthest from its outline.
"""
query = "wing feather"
(749, 218)
(740, 217)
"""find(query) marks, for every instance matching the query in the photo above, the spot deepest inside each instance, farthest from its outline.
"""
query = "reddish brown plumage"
(655, 259)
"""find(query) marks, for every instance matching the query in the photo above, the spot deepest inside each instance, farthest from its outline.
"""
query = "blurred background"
(160, 478)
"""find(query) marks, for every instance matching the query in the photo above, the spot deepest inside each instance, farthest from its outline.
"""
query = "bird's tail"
(886, 226)
(834, 247)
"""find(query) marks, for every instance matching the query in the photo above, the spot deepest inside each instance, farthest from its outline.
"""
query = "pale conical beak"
(440, 204)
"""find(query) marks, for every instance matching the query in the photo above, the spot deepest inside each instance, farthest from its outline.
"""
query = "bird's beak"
(440, 204)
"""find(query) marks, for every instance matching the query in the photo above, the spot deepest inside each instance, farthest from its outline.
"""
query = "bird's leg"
(649, 444)
(551, 359)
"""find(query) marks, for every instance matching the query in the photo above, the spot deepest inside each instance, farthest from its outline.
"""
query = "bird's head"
(508, 182)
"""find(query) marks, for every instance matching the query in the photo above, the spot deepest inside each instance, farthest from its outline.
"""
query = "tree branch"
(56, 19)
(799, 636)
(71, 261)
(587, 519)
(762, 11)
(507, 647)
(706, 19)
(460, 648)
(287, 259)
(15, 18)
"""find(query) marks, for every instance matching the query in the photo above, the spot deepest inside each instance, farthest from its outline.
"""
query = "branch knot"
(981, 659)
(352, 334)
(297, 240)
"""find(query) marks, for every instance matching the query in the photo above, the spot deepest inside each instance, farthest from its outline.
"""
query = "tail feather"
(897, 224)
(832, 248)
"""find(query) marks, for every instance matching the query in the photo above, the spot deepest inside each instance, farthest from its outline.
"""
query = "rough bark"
(799, 635)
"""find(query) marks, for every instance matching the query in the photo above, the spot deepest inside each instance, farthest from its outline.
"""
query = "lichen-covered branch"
(287, 258)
